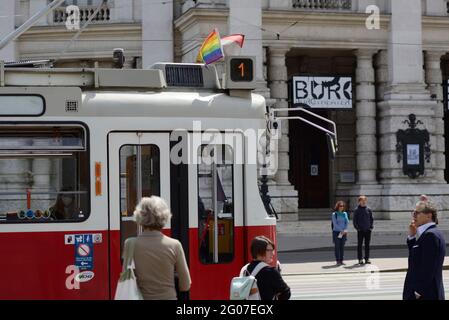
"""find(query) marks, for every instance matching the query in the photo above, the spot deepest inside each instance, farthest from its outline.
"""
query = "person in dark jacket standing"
(363, 223)
(427, 248)
(269, 280)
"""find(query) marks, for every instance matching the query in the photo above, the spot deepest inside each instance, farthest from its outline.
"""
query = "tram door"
(139, 166)
(217, 246)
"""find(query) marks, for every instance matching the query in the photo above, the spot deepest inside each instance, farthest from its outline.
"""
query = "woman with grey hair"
(157, 256)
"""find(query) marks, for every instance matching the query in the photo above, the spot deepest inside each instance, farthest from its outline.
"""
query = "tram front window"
(215, 204)
(44, 174)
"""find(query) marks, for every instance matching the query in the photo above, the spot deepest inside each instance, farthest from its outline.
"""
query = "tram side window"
(215, 204)
(44, 174)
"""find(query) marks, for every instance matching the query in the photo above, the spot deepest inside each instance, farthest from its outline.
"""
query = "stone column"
(246, 17)
(157, 31)
(434, 80)
(405, 58)
(381, 66)
(277, 82)
(366, 143)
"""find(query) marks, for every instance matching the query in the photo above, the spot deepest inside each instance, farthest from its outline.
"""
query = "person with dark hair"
(269, 280)
(427, 249)
(363, 223)
(339, 230)
(65, 208)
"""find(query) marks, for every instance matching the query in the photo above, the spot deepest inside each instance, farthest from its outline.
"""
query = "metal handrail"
(312, 114)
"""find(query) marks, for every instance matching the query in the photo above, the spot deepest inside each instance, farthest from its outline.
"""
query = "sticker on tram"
(84, 276)
(84, 252)
(70, 238)
(98, 238)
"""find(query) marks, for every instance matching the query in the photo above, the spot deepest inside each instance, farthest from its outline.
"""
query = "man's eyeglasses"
(415, 213)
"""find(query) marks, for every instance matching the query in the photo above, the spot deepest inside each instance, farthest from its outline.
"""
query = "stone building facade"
(397, 69)
(397, 65)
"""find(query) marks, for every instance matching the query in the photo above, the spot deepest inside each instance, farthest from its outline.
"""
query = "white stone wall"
(435, 7)
(22, 12)
(123, 10)
(34, 7)
(7, 25)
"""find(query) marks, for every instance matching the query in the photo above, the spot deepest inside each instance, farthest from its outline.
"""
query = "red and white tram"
(79, 148)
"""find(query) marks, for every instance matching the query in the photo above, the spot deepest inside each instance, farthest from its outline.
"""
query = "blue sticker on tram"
(84, 252)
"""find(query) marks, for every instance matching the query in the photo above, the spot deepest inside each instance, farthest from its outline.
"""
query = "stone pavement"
(305, 247)
(316, 235)
(351, 266)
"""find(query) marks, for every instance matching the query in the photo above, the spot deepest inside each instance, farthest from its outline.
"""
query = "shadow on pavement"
(355, 266)
(333, 266)
(327, 256)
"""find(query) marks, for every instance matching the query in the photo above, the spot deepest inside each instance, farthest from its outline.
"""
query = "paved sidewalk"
(351, 266)
(316, 235)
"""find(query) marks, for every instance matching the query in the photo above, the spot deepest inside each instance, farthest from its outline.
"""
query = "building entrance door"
(309, 163)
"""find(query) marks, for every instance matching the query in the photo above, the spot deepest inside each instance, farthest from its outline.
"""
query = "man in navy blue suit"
(427, 248)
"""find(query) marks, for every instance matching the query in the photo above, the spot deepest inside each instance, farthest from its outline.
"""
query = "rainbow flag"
(211, 49)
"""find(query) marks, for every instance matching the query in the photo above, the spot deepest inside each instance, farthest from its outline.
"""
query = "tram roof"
(131, 92)
(173, 104)
(159, 76)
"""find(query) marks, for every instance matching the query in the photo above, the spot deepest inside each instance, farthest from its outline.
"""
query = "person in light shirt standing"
(427, 249)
